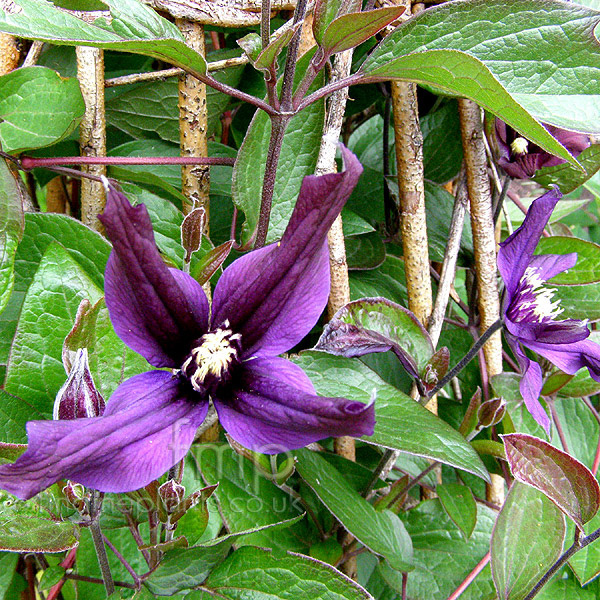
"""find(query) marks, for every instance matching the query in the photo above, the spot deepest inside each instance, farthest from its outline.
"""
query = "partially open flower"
(520, 158)
(264, 304)
(530, 313)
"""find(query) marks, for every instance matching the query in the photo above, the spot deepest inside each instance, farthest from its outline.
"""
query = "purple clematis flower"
(263, 305)
(520, 158)
(530, 315)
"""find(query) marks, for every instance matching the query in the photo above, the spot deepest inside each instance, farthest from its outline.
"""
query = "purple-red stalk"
(30, 162)
(470, 577)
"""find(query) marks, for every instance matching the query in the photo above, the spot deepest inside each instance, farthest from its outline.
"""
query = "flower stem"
(278, 126)
(98, 539)
(468, 357)
(87, 579)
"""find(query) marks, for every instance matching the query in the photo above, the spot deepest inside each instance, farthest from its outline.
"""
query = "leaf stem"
(470, 577)
(467, 358)
(577, 545)
(76, 577)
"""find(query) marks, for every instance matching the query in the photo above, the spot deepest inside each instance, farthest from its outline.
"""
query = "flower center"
(210, 361)
(519, 146)
(533, 301)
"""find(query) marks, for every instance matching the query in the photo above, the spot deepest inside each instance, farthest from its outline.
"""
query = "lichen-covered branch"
(484, 242)
(92, 132)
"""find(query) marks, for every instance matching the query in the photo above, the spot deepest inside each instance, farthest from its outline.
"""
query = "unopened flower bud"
(191, 231)
(171, 494)
(78, 398)
(491, 412)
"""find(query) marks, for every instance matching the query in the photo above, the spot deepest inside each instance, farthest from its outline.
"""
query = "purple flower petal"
(570, 357)
(149, 424)
(530, 386)
(156, 311)
(275, 296)
(549, 265)
(516, 251)
(275, 326)
(273, 408)
(551, 332)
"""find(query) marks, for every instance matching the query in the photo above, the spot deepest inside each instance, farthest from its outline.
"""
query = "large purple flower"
(520, 158)
(263, 305)
(530, 315)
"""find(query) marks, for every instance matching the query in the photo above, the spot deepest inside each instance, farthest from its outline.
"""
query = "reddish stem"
(30, 162)
(470, 577)
(67, 563)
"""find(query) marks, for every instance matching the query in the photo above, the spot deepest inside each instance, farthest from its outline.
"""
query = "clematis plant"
(521, 159)
(264, 304)
(530, 314)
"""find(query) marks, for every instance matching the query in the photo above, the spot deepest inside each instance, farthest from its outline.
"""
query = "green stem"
(98, 539)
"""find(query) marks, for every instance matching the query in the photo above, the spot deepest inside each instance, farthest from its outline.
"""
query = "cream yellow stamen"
(519, 146)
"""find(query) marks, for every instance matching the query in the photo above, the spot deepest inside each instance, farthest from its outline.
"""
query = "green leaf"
(133, 27)
(579, 302)
(350, 30)
(326, 11)
(87, 560)
(387, 280)
(401, 423)
(88, 247)
(182, 569)
(51, 576)
(566, 177)
(587, 268)
(354, 224)
(365, 251)
(527, 539)
(111, 361)
(8, 564)
(152, 108)
(263, 575)
(37, 108)
(246, 499)
(461, 74)
(442, 556)
(14, 414)
(542, 73)
(386, 320)
(11, 229)
(35, 369)
(442, 147)
(562, 478)
(586, 562)
(21, 530)
(267, 57)
(297, 159)
(382, 532)
(459, 503)
(565, 589)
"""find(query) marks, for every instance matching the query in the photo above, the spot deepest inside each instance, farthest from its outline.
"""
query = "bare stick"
(484, 242)
(340, 288)
(193, 126)
(92, 132)
(449, 265)
(34, 53)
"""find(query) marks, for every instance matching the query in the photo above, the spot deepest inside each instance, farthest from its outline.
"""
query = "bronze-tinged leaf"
(562, 478)
(211, 261)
